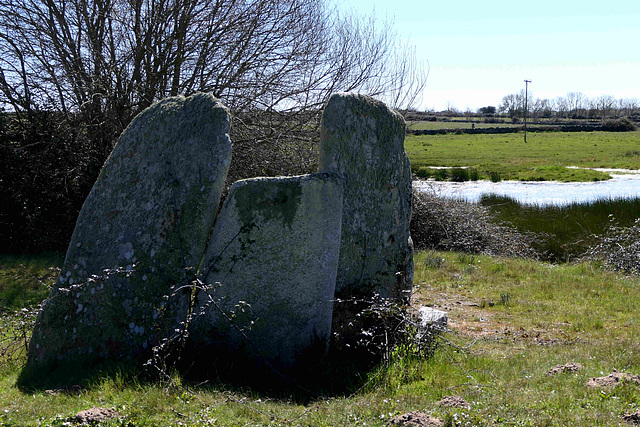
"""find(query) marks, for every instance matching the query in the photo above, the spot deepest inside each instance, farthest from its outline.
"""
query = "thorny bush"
(15, 332)
(380, 326)
(454, 225)
(619, 248)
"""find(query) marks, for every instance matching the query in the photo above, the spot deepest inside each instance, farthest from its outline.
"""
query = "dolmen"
(152, 263)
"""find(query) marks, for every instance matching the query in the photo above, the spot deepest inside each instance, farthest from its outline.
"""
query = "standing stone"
(363, 141)
(147, 221)
(272, 265)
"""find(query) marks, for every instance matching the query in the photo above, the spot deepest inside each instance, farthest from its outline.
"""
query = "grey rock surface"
(430, 318)
(363, 141)
(272, 265)
(147, 221)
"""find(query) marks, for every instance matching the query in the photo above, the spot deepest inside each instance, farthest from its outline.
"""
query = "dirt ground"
(477, 319)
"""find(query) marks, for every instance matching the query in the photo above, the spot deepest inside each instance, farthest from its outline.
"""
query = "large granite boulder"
(146, 221)
(363, 141)
(271, 267)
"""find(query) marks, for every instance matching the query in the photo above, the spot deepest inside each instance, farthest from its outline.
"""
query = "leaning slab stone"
(363, 141)
(146, 221)
(271, 265)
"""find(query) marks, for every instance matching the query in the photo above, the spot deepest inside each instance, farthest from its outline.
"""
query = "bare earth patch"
(94, 415)
(478, 321)
(568, 367)
(76, 389)
(416, 419)
(465, 317)
(613, 379)
(454, 402)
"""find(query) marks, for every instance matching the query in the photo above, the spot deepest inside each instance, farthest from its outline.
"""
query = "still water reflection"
(622, 185)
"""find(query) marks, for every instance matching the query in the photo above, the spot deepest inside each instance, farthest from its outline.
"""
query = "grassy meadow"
(545, 156)
(511, 321)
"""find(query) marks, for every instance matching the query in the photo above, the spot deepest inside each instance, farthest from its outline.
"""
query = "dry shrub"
(455, 225)
(15, 332)
(619, 248)
(623, 124)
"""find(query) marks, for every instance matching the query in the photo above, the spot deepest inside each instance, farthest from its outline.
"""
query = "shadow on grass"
(340, 372)
(365, 335)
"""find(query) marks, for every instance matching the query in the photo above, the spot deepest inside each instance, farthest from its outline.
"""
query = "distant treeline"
(575, 105)
(613, 125)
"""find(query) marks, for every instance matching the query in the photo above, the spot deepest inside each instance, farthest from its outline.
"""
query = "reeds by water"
(565, 232)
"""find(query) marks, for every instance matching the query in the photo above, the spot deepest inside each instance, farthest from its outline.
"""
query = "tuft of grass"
(473, 174)
(441, 174)
(459, 175)
(505, 297)
(423, 172)
(433, 261)
(448, 174)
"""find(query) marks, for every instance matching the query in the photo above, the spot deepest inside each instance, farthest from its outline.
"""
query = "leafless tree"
(563, 106)
(105, 60)
(628, 106)
(509, 105)
(575, 103)
(542, 108)
(604, 105)
(514, 104)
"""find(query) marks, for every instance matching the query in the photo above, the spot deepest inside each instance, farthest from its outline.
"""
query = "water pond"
(623, 184)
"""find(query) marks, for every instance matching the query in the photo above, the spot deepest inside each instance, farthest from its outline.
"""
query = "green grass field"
(544, 157)
(511, 321)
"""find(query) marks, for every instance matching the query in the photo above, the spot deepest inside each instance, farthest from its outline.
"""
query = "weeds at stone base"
(505, 297)
(382, 328)
(15, 331)
(385, 333)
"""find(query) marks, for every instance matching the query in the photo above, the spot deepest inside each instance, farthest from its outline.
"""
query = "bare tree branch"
(106, 60)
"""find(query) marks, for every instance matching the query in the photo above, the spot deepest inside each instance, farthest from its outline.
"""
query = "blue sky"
(479, 51)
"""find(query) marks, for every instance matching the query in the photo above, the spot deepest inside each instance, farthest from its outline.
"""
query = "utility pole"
(526, 107)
